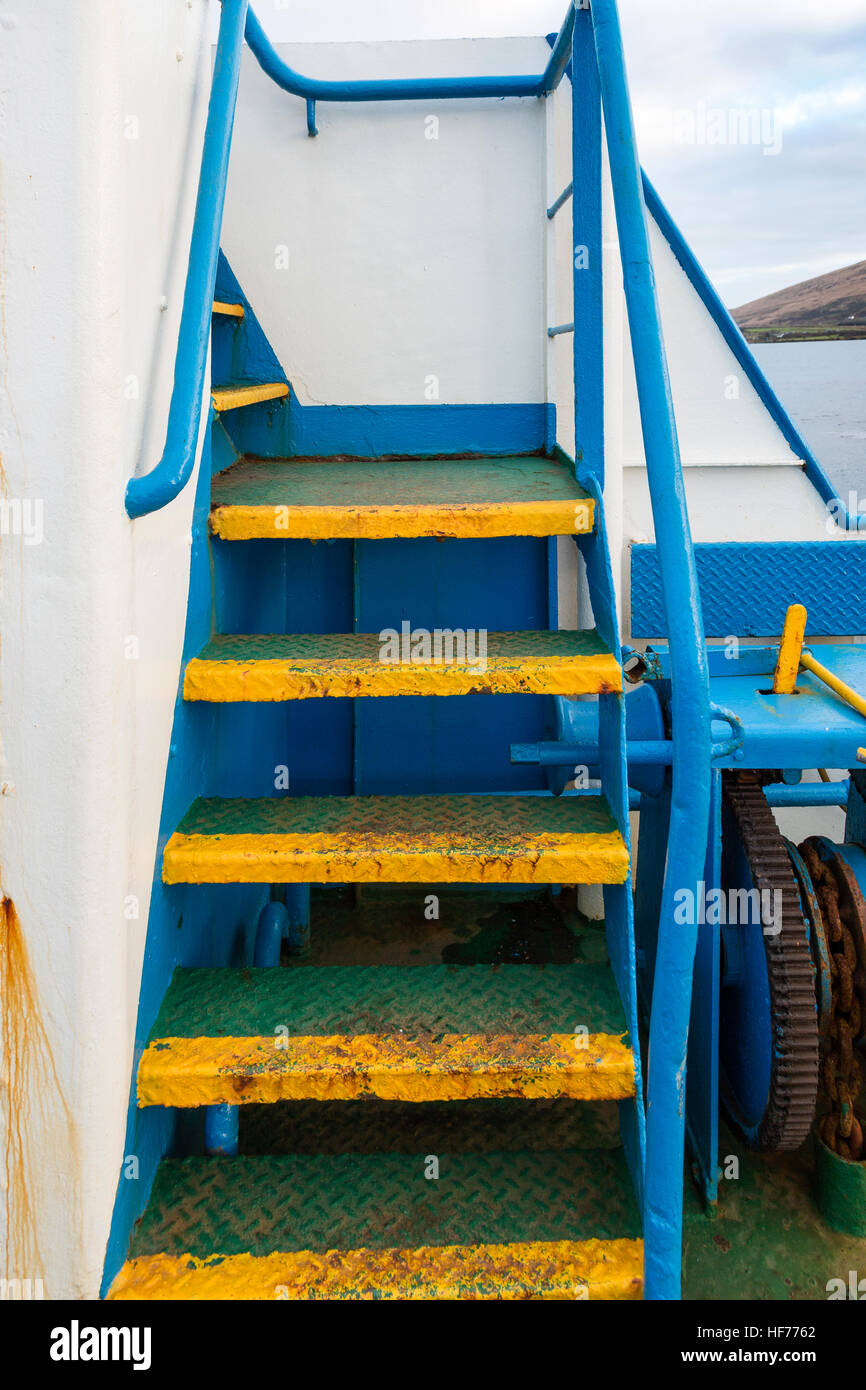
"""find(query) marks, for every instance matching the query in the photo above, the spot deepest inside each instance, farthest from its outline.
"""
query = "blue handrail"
(733, 336)
(398, 89)
(153, 490)
(691, 717)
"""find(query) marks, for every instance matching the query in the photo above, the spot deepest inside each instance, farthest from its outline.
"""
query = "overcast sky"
(795, 70)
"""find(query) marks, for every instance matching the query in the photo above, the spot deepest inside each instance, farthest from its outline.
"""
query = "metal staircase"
(481, 1036)
(358, 1067)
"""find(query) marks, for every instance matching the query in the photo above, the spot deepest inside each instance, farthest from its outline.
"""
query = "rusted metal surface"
(790, 1108)
(210, 1071)
(591, 1270)
(844, 920)
(397, 839)
(293, 667)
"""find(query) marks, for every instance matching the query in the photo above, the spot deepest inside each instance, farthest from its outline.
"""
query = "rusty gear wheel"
(769, 1019)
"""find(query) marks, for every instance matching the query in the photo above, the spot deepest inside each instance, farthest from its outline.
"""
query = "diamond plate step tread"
(419, 1000)
(520, 495)
(457, 1126)
(524, 1224)
(346, 665)
(397, 839)
(415, 1034)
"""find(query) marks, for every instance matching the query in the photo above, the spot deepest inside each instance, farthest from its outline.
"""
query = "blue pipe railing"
(691, 726)
(392, 89)
(153, 490)
(730, 331)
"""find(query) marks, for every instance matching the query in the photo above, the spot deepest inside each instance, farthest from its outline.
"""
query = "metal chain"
(841, 1069)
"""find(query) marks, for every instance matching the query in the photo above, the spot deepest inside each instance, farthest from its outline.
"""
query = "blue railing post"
(691, 720)
(153, 490)
(586, 252)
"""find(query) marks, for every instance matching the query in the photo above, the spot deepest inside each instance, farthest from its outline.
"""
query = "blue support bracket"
(272, 928)
(221, 1127)
(298, 914)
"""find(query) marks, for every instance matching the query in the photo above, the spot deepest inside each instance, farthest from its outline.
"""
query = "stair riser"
(573, 1270)
(190, 1072)
(288, 522)
(270, 681)
(294, 859)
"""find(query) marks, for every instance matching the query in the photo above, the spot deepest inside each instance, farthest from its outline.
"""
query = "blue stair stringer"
(618, 898)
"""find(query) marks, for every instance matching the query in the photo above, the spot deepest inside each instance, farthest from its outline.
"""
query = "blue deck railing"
(691, 716)
(170, 476)
(690, 712)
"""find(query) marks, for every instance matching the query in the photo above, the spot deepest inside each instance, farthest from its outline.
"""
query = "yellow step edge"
(409, 521)
(190, 1072)
(342, 857)
(575, 1270)
(235, 311)
(301, 679)
(232, 397)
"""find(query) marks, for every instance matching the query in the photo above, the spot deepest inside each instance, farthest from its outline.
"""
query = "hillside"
(830, 306)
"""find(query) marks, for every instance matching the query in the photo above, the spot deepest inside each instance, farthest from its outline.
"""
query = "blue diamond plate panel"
(746, 589)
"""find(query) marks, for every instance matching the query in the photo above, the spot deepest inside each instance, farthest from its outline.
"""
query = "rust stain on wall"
(38, 1118)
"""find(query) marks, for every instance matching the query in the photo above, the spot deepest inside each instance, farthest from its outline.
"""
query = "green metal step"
(397, 839)
(322, 498)
(347, 665)
(416, 1033)
(559, 1223)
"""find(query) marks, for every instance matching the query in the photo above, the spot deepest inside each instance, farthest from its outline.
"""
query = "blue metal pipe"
(153, 490)
(745, 357)
(587, 754)
(560, 328)
(807, 794)
(558, 202)
(587, 259)
(690, 698)
(221, 1130)
(392, 89)
(560, 56)
(273, 925)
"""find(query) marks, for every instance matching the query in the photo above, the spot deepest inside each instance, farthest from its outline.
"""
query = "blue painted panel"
(285, 428)
(283, 586)
(746, 589)
(434, 744)
(240, 350)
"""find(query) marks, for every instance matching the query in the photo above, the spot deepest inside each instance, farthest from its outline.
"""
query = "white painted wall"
(408, 257)
(100, 132)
